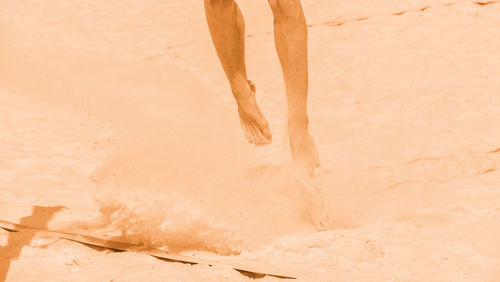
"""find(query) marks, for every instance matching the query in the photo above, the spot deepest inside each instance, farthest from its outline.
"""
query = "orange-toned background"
(404, 105)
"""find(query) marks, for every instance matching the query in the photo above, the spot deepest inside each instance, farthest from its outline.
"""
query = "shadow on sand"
(17, 240)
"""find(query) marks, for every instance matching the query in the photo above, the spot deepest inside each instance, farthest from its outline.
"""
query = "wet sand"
(120, 111)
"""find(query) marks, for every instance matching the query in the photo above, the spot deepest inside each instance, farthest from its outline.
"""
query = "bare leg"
(227, 29)
(290, 35)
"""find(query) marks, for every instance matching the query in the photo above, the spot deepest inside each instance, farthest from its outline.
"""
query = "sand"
(119, 113)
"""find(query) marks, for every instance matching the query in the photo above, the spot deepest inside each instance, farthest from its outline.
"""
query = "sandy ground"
(119, 111)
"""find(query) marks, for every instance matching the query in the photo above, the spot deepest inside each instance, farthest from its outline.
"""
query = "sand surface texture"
(115, 118)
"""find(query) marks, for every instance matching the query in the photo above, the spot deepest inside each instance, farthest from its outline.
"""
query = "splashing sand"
(194, 183)
(181, 175)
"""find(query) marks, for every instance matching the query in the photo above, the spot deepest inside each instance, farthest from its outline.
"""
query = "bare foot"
(253, 123)
(304, 152)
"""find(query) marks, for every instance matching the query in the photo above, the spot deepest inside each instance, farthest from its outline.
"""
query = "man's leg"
(290, 35)
(227, 29)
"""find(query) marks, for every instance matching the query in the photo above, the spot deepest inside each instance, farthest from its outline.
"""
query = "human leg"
(227, 28)
(290, 34)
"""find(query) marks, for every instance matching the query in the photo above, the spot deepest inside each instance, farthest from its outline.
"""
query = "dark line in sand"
(485, 3)
(336, 23)
(362, 19)
(399, 13)
(27, 232)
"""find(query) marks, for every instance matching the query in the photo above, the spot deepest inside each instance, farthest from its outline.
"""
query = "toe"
(246, 131)
(259, 140)
(266, 131)
(263, 140)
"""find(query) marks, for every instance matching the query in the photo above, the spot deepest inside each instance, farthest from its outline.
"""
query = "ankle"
(298, 124)
(242, 91)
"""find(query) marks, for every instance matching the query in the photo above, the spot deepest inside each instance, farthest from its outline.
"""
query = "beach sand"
(119, 114)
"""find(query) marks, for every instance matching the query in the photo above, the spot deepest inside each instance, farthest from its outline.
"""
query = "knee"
(286, 8)
(218, 3)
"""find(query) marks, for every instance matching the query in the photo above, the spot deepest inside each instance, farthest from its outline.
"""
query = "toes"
(266, 131)
(259, 139)
(264, 140)
(246, 131)
(252, 132)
